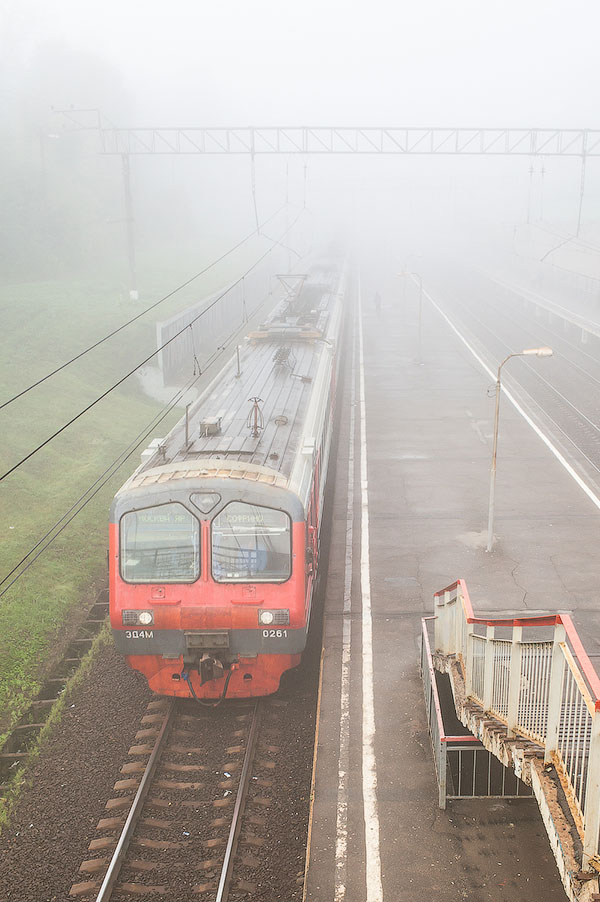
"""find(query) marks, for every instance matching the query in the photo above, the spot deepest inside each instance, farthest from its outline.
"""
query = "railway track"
(565, 393)
(187, 816)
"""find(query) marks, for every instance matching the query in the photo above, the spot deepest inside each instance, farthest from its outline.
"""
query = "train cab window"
(160, 545)
(251, 544)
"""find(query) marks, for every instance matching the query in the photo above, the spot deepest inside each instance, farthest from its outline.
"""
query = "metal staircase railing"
(464, 768)
(533, 674)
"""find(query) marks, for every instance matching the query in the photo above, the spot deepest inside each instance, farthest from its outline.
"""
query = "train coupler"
(210, 669)
(206, 660)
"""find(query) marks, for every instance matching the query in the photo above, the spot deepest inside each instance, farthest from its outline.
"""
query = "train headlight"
(137, 618)
(278, 617)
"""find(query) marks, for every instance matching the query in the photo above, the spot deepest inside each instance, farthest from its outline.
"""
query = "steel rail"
(236, 823)
(120, 852)
(528, 328)
(558, 338)
(568, 419)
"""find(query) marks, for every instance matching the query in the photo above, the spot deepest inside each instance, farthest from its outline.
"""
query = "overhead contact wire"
(111, 470)
(256, 231)
(108, 472)
(141, 363)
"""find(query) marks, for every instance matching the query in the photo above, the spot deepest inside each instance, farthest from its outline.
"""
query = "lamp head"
(537, 352)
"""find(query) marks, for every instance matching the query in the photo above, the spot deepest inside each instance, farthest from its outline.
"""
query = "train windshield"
(160, 545)
(251, 544)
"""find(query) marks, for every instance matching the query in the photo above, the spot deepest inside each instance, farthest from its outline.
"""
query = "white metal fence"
(464, 769)
(533, 674)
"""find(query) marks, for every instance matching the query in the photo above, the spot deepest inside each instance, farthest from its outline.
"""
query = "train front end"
(210, 579)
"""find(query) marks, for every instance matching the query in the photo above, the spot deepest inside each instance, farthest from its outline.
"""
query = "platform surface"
(377, 832)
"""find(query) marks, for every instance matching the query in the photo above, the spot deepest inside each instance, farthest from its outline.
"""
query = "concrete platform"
(414, 521)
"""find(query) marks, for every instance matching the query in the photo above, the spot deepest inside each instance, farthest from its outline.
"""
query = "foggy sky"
(469, 63)
(425, 62)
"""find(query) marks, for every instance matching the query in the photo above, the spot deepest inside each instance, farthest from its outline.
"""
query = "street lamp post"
(535, 352)
(417, 275)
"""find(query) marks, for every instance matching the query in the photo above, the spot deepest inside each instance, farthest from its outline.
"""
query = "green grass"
(44, 323)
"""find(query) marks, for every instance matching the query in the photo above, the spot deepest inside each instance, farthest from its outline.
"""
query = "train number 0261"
(275, 634)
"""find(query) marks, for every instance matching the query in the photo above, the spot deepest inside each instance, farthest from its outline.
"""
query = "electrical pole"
(529, 194)
(133, 292)
(581, 192)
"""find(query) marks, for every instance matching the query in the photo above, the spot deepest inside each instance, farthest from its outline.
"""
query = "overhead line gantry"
(329, 140)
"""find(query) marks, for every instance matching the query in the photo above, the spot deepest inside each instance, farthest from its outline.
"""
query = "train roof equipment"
(283, 364)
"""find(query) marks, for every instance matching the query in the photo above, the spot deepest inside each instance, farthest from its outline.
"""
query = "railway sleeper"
(104, 842)
(147, 734)
(122, 785)
(140, 750)
(260, 802)
(208, 864)
(213, 843)
(269, 749)
(251, 839)
(94, 865)
(209, 887)
(185, 768)
(156, 822)
(164, 845)
(195, 804)
(179, 785)
(28, 726)
(82, 889)
(263, 781)
(133, 767)
(110, 823)
(118, 803)
(223, 803)
(185, 734)
(186, 750)
(235, 750)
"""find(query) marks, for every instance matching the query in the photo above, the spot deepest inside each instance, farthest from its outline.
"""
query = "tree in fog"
(57, 197)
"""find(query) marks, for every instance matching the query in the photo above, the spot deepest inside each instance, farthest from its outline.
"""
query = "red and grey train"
(214, 540)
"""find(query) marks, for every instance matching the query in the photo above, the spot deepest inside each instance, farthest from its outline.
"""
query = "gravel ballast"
(56, 815)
